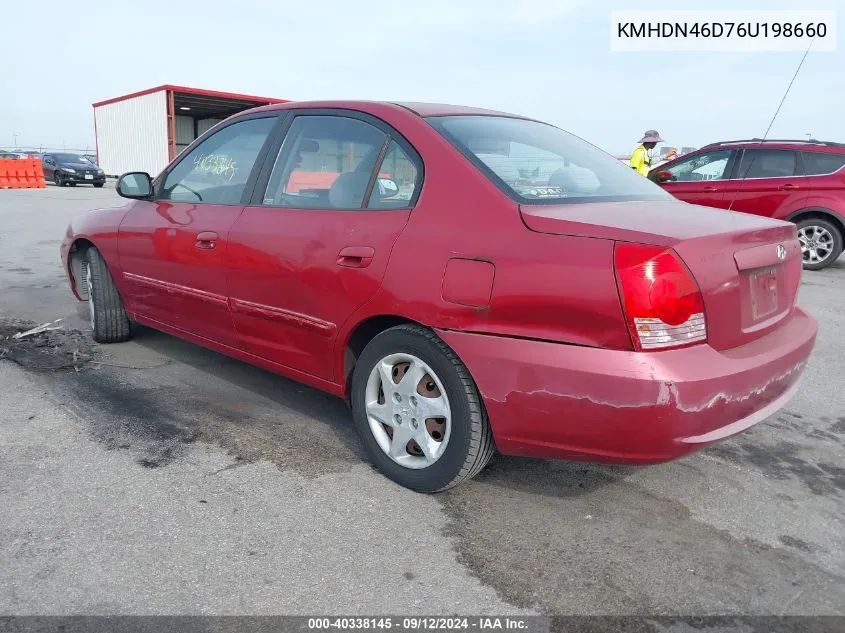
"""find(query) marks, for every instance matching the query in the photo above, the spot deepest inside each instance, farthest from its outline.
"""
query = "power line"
(772, 122)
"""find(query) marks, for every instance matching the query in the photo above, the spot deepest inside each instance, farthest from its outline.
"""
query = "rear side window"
(820, 163)
(533, 162)
(396, 182)
(766, 163)
(325, 162)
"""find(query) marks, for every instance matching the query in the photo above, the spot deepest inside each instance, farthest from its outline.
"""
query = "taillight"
(662, 302)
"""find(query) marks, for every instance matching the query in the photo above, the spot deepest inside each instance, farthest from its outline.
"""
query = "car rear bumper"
(561, 401)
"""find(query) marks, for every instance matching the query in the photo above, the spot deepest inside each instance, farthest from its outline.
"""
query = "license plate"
(764, 293)
(89, 177)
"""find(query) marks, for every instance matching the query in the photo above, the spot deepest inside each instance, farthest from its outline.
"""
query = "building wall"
(132, 134)
(204, 125)
(184, 132)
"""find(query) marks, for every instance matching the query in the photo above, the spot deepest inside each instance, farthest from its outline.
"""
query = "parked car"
(71, 169)
(12, 155)
(799, 181)
(585, 315)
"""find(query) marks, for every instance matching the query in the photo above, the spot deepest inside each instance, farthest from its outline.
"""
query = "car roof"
(810, 145)
(422, 109)
(443, 109)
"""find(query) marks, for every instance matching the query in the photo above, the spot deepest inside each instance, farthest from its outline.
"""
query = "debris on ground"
(45, 347)
(45, 327)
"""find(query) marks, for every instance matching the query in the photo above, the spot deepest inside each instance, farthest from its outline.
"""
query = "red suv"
(799, 181)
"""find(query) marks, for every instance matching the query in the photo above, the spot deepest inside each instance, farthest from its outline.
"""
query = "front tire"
(98, 185)
(57, 178)
(418, 411)
(109, 322)
(821, 242)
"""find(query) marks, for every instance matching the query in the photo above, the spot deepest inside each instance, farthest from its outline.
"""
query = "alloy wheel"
(816, 243)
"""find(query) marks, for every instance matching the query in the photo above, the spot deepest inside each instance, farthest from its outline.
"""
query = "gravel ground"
(156, 477)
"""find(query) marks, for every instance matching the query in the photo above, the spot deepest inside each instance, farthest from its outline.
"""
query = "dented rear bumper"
(561, 401)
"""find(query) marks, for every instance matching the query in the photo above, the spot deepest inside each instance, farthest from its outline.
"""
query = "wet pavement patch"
(55, 350)
(569, 538)
(158, 422)
(784, 461)
(797, 543)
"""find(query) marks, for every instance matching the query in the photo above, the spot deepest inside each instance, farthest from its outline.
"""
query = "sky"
(548, 59)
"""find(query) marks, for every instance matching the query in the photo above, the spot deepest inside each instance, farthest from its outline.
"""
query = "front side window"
(325, 162)
(703, 166)
(216, 171)
(821, 163)
(766, 163)
(538, 163)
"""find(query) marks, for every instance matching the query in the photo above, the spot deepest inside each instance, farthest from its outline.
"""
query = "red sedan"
(469, 280)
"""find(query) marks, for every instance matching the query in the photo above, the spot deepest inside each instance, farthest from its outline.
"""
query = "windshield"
(538, 163)
(71, 158)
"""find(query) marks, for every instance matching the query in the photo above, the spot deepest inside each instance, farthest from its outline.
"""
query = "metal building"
(145, 130)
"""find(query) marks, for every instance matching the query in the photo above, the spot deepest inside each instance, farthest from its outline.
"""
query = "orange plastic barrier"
(21, 174)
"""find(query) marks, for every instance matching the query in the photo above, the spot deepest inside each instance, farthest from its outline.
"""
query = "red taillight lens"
(662, 301)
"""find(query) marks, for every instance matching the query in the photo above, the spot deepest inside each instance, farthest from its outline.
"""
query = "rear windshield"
(536, 163)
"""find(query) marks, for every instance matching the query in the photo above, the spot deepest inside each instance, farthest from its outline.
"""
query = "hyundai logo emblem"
(781, 252)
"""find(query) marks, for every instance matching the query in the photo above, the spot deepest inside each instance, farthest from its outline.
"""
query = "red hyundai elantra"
(469, 280)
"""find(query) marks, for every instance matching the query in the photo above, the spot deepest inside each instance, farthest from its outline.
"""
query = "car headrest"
(575, 180)
(348, 189)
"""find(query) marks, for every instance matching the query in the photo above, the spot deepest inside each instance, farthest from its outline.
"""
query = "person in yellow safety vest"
(641, 158)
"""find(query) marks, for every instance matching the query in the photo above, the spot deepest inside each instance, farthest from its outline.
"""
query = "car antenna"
(772, 122)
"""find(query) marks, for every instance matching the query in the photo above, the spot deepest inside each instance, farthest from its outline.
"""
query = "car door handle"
(206, 240)
(356, 256)
(710, 189)
(789, 187)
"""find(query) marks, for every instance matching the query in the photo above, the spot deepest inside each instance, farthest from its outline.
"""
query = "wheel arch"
(818, 212)
(360, 335)
(76, 266)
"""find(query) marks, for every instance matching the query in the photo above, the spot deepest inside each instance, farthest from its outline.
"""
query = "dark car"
(72, 169)
(400, 256)
(799, 181)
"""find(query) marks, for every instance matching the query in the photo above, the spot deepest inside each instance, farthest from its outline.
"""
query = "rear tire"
(109, 322)
(466, 433)
(821, 242)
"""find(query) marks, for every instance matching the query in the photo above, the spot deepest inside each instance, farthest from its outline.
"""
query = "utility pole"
(15, 136)
(809, 136)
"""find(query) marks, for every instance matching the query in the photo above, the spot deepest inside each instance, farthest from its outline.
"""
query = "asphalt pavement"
(156, 477)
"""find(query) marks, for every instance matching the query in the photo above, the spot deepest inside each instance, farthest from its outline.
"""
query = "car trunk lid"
(748, 268)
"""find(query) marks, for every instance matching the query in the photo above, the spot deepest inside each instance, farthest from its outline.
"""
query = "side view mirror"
(136, 185)
(387, 188)
(663, 176)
